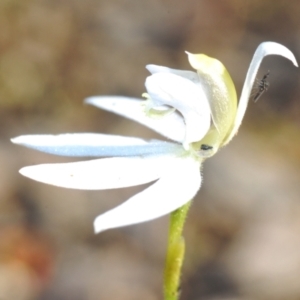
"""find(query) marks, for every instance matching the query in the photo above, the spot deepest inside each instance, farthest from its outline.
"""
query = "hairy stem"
(175, 253)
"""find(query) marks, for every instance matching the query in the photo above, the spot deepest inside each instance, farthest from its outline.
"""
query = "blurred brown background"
(243, 231)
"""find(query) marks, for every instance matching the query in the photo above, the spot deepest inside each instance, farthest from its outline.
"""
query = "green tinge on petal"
(221, 93)
(156, 112)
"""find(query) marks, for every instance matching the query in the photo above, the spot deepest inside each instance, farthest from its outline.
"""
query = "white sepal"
(100, 174)
(94, 145)
(264, 49)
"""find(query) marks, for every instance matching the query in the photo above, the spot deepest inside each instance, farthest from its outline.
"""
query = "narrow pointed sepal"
(263, 50)
(100, 174)
(94, 145)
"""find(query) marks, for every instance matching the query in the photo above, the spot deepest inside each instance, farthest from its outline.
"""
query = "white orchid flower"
(197, 111)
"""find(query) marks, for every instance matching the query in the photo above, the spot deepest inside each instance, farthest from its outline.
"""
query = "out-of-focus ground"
(243, 231)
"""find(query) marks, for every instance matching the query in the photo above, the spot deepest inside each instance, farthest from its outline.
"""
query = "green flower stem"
(175, 253)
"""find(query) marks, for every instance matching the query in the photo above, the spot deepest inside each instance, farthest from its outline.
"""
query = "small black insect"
(263, 86)
(206, 147)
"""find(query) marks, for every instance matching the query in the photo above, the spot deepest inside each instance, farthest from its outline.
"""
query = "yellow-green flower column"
(219, 89)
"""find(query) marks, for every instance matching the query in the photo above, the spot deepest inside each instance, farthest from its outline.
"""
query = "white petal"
(92, 144)
(106, 173)
(170, 126)
(170, 192)
(193, 76)
(264, 49)
(187, 97)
